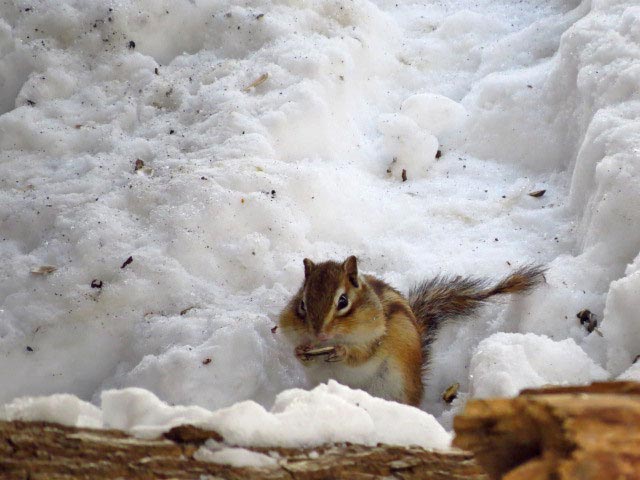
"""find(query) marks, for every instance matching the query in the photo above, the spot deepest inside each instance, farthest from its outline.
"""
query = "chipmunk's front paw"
(301, 352)
(338, 355)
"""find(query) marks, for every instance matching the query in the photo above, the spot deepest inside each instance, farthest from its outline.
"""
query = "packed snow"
(165, 166)
(330, 413)
(506, 363)
(236, 457)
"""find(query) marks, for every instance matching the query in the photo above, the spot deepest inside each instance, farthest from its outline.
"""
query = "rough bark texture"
(38, 450)
(557, 433)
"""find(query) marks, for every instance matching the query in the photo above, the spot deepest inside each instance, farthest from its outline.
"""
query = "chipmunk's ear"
(308, 267)
(350, 267)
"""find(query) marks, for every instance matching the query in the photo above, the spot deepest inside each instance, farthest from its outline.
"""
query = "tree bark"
(39, 450)
(557, 433)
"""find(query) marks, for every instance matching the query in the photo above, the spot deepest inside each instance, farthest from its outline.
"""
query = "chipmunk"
(363, 333)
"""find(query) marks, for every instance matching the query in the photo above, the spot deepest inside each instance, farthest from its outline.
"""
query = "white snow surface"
(506, 363)
(330, 413)
(242, 179)
(236, 457)
(61, 408)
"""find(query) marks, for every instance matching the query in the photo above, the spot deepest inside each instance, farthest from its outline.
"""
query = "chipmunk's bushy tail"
(437, 300)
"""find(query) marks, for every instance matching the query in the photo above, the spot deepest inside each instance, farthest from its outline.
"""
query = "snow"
(506, 363)
(61, 408)
(241, 182)
(622, 326)
(631, 374)
(236, 457)
(330, 413)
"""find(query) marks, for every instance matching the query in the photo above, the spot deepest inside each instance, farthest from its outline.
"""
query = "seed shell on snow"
(451, 393)
(537, 193)
(589, 320)
(258, 81)
(127, 262)
(43, 270)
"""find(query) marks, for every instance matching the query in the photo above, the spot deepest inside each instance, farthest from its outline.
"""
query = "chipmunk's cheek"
(336, 336)
(305, 337)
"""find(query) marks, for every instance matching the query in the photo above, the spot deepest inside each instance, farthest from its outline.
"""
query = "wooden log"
(553, 434)
(558, 433)
(39, 450)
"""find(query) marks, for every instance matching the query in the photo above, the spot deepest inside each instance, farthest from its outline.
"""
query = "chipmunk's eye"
(343, 302)
(303, 309)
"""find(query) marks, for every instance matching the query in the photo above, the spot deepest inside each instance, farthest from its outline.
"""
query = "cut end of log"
(587, 432)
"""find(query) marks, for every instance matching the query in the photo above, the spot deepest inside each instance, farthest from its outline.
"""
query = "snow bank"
(572, 107)
(506, 363)
(621, 325)
(61, 408)
(239, 182)
(330, 413)
(593, 92)
(631, 374)
(217, 145)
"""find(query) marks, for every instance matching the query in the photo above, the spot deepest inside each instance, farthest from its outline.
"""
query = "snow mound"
(622, 328)
(266, 131)
(408, 146)
(631, 374)
(506, 363)
(330, 413)
(60, 408)
(435, 113)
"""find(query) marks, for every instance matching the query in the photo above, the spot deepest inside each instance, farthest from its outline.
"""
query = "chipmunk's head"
(334, 304)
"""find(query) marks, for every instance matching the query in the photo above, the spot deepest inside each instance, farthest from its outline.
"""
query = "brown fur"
(380, 325)
(436, 300)
(321, 281)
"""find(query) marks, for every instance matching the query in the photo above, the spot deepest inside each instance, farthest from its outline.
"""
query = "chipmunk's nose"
(322, 336)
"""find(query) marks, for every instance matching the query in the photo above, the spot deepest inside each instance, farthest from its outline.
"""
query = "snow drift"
(217, 144)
